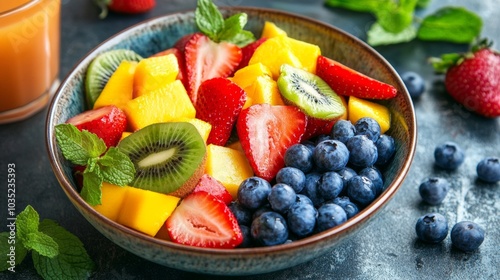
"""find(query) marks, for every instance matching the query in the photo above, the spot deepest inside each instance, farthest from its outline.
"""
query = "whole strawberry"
(125, 6)
(473, 79)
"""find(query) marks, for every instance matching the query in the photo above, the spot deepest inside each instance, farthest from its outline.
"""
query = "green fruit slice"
(309, 93)
(168, 157)
(101, 68)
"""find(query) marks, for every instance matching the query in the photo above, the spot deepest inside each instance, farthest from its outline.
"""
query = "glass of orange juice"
(29, 56)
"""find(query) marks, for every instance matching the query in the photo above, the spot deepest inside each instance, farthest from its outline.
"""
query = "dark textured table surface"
(387, 248)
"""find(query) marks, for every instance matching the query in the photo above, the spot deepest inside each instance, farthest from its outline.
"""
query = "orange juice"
(29, 56)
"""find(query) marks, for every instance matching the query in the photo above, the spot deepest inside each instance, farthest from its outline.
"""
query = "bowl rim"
(336, 231)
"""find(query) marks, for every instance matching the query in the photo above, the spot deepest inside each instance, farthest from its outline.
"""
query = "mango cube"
(264, 90)
(359, 108)
(203, 127)
(306, 53)
(245, 76)
(146, 211)
(228, 166)
(158, 106)
(119, 88)
(153, 72)
(271, 30)
(111, 200)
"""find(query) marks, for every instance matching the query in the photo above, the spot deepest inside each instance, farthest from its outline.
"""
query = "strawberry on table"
(266, 132)
(125, 6)
(347, 81)
(202, 220)
(210, 185)
(108, 123)
(219, 103)
(472, 79)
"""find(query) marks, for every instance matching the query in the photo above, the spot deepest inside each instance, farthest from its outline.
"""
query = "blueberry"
(375, 176)
(414, 83)
(247, 237)
(253, 192)
(259, 211)
(432, 228)
(242, 214)
(362, 151)
(293, 177)
(301, 218)
(369, 127)
(282, 196)
(330, 185)
(342, 130)
(330, 215)
(488, 170)
(349, 207)
(311, 188)
(303, 199)
(385, 149)
(433, 190)
(467, 236)
(449, 155)
(300, 156)
(269, 229)
(331, 155)
(346, 174)
(321, 138)
(360, 190)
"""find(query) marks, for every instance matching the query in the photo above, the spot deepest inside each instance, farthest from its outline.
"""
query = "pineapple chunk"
(119, 88)
(264, 90)
(271, 30)
(359, 108)
(247, 75)
(153, 72)
(203, 127)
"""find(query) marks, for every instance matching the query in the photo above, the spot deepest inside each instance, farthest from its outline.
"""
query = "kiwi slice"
(168, 157)
(101, 68)
(309, 93)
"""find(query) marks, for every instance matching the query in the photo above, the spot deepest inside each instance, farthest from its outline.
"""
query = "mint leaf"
(42, 244)
(233, 30)
(208, 19)
(396, 16)
(379, 36)
(91, 190)
(78, 146)
(6, 252)
(442, 64)
(72, 262)
(452, 24)
(359, 5)
(26, 222)
(423, 3)
(116, 167)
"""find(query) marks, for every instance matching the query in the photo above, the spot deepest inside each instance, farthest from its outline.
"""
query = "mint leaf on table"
(72, 262)
(396, 16)
(377, 35)
(359, 5)
(452, 24)
(423, 3)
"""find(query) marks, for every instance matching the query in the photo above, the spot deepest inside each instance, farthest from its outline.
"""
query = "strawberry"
(266, 132)
(219, 103)
(206, 59)
(210, 185)
(317, 127)
(108, 123)
(347, 81)
(247, 52)
(202, 220)
(180, 60)
(472, 79)
(125, 6)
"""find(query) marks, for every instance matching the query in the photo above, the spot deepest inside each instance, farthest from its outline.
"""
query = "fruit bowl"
(157, 34)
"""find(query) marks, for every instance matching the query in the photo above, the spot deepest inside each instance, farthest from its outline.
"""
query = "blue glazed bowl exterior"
(161, 33)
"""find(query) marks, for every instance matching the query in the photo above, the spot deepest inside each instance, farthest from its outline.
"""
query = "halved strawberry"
(247, 52)
(125, 6)
(108, 123)
(266, 132)
(317, 127)
(219, 103)
(180, 60)
(202, 220)
(206, 59)
(210, 185)
(347, 81)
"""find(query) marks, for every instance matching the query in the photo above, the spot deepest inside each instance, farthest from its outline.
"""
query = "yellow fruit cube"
(153, 72)
(228, 166)
(203, 127)
(359, 108)
(125, 134)
(158, 106)
(245, 76)
(119, 88)
(271, 30)
(111, 200)
(265, 90)
(146, 211)
(306, 53)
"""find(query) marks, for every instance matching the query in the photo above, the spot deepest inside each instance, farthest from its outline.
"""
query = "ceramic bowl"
(161, 33)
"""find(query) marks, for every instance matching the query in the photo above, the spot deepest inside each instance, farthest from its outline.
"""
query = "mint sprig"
(210, 22)
(56, 253)
(87, 149)
(396, 21)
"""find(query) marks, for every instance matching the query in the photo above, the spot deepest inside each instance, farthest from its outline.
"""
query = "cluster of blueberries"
(433, 227)
(323, 184)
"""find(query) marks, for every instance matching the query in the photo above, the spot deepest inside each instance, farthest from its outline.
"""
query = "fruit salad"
(224, 144)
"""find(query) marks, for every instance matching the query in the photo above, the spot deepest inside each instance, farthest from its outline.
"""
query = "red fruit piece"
(475, 82)
(202, 220)
(317, 127)
(347, 81)
(206, 59)
(266, 132)
(219, 103)
(210, 185)
(180, 60)
(108, 123)
(247, 52)
(125, 6)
